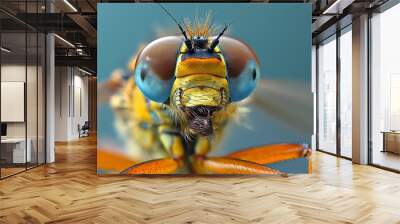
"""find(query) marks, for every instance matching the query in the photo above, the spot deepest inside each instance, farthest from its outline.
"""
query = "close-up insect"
(182, 92)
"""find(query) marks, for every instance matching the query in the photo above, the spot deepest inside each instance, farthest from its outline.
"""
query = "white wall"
(33, 126)
(71, 94)
(12, 73)
(62, 82)
(12, 101)
(16, 73)
(80, 100)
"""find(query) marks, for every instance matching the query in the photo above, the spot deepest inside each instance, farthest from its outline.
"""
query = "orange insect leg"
(273, 153)
(157, 166)
(223, 165)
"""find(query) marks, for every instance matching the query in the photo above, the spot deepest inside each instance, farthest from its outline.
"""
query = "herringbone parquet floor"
(69, 191)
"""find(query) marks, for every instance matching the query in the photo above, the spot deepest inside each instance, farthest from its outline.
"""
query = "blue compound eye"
(242, 67)
(151, 85)
(155, 68)
(244, 84)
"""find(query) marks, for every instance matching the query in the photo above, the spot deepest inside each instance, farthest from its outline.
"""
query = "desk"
(391, 141)
(15, 148)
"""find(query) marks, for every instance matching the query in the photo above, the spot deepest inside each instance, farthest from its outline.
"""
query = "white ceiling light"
(84, 71)
(79, 51)
(338, 6)
(333, 6)
(5, 50)
(65, 41)
(70, 5)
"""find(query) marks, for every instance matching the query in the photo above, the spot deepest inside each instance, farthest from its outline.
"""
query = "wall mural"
(204, 88)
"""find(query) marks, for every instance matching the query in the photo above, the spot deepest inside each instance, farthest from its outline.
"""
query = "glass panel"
(13, 87)
(31, 98)
(41, 99)
(346, 94)
(327, 96)
(23, 88)
(385, 114)
(32, 90)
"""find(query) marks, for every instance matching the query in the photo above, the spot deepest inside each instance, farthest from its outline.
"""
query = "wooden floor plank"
(69, 191)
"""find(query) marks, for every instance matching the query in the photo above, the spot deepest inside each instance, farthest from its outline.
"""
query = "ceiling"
(75, 22)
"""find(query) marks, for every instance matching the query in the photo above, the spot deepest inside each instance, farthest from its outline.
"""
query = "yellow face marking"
(192, 66)
(201, 96)
(200, 80)
(184, 49)
(200, 89)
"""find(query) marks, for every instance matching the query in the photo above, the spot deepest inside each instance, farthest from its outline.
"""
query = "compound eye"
(242, 67)
(155, 67)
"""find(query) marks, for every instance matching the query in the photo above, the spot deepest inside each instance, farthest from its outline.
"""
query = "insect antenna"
(188, 42)
(215, 42)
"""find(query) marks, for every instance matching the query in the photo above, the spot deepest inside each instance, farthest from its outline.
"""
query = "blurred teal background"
(281, 109)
